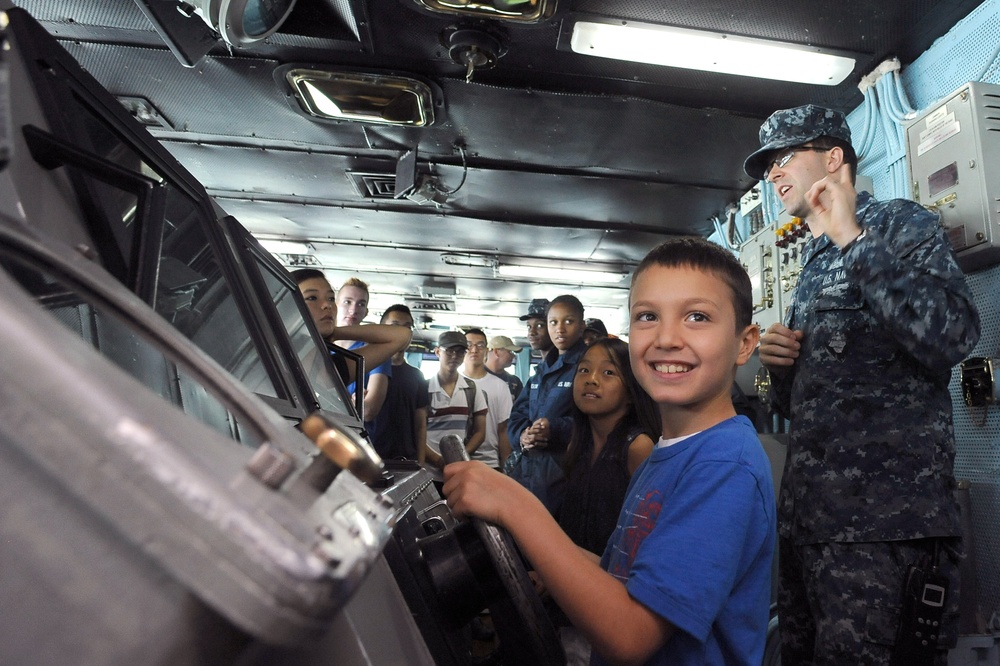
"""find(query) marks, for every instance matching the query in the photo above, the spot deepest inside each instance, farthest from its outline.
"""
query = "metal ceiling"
(567, 158)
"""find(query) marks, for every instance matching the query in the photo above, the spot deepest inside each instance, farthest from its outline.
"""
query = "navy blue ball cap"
(537, 310)
(794, 127)
(595, 325)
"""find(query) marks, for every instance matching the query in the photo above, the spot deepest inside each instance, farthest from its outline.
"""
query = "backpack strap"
(470, 399)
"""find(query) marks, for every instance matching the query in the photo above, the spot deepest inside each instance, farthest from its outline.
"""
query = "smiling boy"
(685, 578)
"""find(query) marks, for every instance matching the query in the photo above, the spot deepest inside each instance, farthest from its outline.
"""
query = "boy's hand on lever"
(477, 491)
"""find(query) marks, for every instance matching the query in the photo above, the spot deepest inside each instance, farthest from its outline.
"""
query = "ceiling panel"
(550, 155)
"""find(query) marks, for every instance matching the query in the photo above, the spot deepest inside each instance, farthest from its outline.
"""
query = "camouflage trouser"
(839, 603)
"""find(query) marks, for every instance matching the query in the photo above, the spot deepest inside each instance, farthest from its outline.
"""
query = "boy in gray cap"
(861, 365)
(456, 406)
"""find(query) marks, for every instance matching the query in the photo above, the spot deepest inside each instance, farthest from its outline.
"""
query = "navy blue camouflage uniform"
(871, 445)
(548, 394)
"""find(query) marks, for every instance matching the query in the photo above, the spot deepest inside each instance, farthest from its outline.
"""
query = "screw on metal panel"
(87, 251)
(270, 465)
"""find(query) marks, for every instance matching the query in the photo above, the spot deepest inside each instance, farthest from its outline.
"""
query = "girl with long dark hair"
(614, 426)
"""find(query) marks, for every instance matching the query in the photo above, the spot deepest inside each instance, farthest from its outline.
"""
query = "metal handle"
(452, 449)
(344, 447)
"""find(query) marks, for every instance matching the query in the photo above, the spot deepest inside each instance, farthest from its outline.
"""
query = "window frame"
(61, 87)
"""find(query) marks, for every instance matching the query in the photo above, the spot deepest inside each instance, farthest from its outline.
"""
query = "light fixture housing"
(333, 95)
(708, 51)
(280, 246)
(470, 260)
(516, 11)
(242, 22)
(560, 274)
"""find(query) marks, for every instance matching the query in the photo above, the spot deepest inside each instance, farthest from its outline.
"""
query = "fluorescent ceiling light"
(710, 52)
(285, 247)
(560, 275)
(470, 260)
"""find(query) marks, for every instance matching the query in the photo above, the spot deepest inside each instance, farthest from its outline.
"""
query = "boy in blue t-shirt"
(685, 578)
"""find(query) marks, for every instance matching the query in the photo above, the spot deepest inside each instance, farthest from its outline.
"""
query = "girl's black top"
(595, 493)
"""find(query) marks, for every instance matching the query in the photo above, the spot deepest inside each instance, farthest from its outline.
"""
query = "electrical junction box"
(771, 257)
(953, 152)
(752, 209)
(757, 256)
(750, 201)
(978, 383)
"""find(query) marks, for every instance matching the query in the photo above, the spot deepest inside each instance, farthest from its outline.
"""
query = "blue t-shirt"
(694, 544)
(384, 368)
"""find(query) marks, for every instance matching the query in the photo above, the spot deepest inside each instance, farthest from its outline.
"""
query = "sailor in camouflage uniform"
(861, 367)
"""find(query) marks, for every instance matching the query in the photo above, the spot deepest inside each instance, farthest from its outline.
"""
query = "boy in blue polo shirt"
(685, 578)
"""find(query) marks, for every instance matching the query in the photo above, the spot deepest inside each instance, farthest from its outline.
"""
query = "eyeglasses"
(477, 345)
(454, 351)
(785, 157)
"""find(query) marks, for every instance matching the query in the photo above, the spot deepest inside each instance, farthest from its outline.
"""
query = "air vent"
(424, 305)
(301, 260)
(374, 185)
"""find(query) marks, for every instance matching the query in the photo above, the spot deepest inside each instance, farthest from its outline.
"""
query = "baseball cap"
(503, 342)
(793, 127)
(595, 325)
(452, 339)
(537, 310)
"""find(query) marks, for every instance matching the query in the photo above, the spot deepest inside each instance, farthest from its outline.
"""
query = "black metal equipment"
(530, 624)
